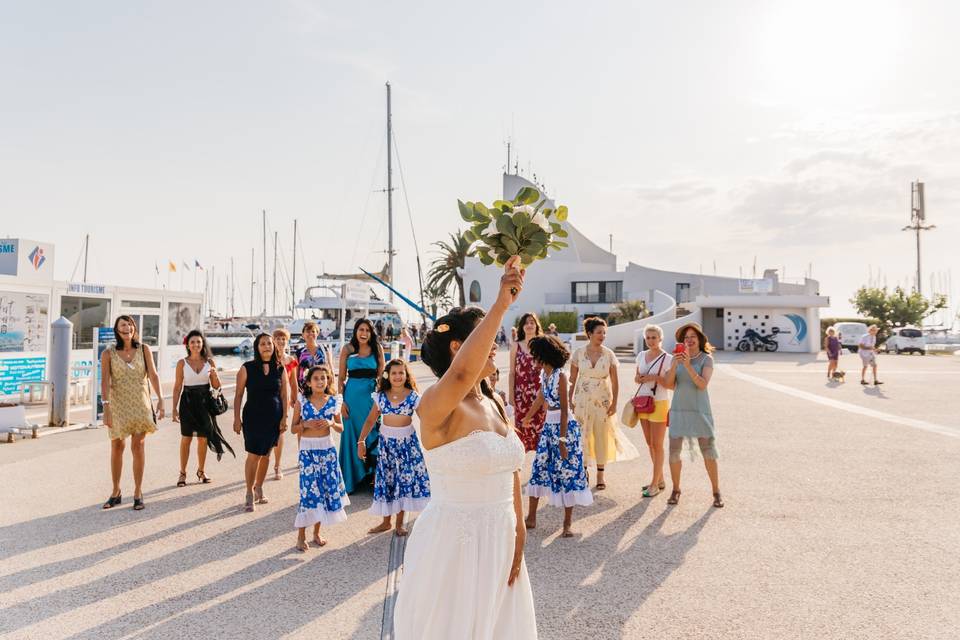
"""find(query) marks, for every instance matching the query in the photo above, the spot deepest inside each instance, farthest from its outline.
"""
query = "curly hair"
(331, 388)
(590, 324)
(549, 350)
(383, 384)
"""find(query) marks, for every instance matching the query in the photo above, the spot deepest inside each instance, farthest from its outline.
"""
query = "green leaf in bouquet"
(505, 226)
(481, 213)
(486, 259)
(547, 212)
(533, 248)
(561, 233)
(539, 236)
(521, 219)
(503, 205)
(562, 213)
(466, 210)
(510, 245)
(470, 236)
(542, 254)
(527, 195)
(556, 244)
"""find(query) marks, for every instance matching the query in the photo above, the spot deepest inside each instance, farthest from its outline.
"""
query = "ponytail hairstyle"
(384, 383)
(457, 325)
(591, 323)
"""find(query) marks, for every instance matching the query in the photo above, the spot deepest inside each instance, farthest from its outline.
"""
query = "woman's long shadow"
(38, 533)
(324, 580)
(598, 570)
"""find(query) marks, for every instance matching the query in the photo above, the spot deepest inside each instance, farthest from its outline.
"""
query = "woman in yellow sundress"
(126, 368)
(593, 398)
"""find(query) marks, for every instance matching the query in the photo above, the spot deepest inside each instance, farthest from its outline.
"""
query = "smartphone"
(680, 348)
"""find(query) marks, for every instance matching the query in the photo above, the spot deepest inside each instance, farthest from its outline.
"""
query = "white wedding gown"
(458, 557)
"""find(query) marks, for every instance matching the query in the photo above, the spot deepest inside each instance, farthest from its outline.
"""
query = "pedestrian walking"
(126, 368)
(867, 348)
(691, 416)
(832, 346)
(361, 363)
(558, 472)
(523, 385)
(552, 330)
(322, 492)
(594, 390)
(401, 483)
(196, 379)
(291, 366)
(653, 363)
(264, 416)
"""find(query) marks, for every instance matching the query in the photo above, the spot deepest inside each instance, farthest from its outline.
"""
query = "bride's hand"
(511, 283)
(517, 553)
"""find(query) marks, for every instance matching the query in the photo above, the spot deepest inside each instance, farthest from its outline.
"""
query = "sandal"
(202, 477)
(112, 502)
(182, 480)
(661, 486)
(717, 501)
(674, 497)
(648, 494)
(258, 494)
(138, 504)
(277, 474)
(248, 503)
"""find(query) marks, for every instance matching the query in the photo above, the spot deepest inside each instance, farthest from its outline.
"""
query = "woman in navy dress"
(264, 416)
(361, 363)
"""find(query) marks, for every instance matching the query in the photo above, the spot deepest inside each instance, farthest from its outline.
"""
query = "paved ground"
(841, 522)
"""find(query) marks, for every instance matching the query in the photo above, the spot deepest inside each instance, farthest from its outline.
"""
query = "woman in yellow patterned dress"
(126, 368)
(593, 397)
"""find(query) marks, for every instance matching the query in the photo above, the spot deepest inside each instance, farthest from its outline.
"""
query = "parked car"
(849, 334)
(907, 340)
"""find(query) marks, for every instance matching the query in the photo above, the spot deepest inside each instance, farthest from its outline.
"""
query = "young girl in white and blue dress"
(322, 493)
(558, 472)
(401, 483)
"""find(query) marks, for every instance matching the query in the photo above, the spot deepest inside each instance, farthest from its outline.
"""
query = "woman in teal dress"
(361, 364)
(690, 414)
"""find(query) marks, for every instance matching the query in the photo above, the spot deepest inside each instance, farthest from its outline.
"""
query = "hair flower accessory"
(442, 328)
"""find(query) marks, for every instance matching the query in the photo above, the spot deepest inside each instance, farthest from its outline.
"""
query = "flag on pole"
(172, 268)
(186, 266)
(156, 268)
(196, 263)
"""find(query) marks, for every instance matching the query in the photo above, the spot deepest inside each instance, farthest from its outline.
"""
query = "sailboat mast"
(86, 253)
(390, 191)
(293, 285)
(233, 283)
(273, 308)
(252, 278)
(263, 287)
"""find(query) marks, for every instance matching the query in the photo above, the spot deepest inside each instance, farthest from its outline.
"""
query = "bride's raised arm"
(443, 397)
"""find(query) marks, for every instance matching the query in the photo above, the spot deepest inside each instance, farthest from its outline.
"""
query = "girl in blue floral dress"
(401, 483)
(558, 473)
(322, 494)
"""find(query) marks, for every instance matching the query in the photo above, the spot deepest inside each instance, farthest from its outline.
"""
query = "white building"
(583, 278)
(30, 299)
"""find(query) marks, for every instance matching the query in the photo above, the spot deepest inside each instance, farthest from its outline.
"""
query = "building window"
(140, 304)
(608, 291)
(85, 314)
(474, 291)
(683, 292)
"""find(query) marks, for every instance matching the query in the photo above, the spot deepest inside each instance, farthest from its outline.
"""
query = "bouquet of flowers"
(522, 226)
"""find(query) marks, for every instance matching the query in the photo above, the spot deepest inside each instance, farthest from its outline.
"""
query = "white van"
(849, 334)
(907, 340)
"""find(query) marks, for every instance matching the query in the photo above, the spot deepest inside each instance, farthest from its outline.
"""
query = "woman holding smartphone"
(690, 413)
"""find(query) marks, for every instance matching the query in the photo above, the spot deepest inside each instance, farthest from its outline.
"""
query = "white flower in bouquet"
(521, 227)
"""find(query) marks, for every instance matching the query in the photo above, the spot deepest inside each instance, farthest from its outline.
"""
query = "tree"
(896, 308)
(437, 299)
(445, 270)
(628, 311)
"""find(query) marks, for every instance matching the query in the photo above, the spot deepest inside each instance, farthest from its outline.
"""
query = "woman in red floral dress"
(524, 382)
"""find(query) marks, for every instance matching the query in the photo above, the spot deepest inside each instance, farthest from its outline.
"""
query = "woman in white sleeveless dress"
(464, 577)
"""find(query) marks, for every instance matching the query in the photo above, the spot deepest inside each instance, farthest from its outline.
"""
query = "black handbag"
(217, 402)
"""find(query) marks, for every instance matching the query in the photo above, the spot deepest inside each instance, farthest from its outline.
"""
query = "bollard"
(58, 371)
(394, 350)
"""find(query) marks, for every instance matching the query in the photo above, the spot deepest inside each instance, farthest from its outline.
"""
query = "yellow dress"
(129, 396)
(604, 442)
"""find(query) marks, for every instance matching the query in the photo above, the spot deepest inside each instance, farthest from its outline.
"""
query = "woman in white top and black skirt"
(196, 377)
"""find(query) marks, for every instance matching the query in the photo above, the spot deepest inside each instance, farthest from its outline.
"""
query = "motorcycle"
(753, 341)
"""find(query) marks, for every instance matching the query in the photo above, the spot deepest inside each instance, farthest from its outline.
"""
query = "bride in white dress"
(464, 577)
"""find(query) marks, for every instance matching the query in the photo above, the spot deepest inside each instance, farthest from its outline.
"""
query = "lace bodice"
(477, 468)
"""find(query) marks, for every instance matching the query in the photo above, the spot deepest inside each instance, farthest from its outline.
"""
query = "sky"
(703, 136)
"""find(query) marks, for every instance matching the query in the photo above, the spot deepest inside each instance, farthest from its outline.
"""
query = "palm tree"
(444, 271)
(437, 300)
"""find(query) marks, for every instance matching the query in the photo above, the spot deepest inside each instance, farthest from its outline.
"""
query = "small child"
(558, 473)
(832, 345)
(401, 483)
(322, 492)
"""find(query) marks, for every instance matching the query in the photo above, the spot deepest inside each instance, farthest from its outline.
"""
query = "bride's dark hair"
(457, 325)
